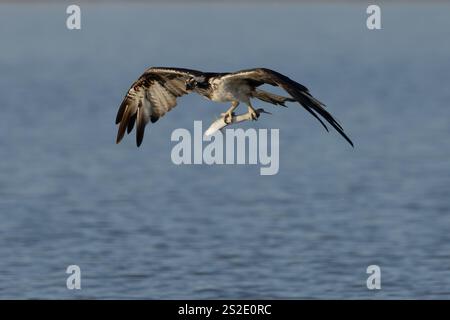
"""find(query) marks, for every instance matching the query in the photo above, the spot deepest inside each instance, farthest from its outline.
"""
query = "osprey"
(156, 91)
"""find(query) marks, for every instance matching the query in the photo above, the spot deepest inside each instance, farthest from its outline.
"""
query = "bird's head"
(191, 83)
(195, 82)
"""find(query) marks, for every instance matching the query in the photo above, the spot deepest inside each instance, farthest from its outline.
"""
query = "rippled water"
(140, 227)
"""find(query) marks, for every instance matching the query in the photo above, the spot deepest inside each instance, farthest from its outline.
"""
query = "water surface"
(141, 227)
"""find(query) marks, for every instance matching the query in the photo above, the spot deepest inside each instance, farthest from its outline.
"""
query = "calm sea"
(141, 227)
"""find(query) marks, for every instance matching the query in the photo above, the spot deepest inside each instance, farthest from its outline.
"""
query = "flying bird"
(156, 91)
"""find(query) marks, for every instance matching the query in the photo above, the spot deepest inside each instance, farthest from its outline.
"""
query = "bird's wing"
(300, 93)
(150, 97)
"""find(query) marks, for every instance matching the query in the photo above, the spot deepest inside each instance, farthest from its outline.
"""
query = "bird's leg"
(253, 114)
(228, 115)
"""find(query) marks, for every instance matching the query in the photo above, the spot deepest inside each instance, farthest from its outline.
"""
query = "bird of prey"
(156, 91)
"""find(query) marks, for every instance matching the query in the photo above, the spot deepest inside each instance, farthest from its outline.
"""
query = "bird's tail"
(271, 98)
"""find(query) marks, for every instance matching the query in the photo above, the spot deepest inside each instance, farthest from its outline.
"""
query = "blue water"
(141, 227)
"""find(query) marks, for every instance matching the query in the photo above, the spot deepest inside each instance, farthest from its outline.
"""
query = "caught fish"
(220, 123)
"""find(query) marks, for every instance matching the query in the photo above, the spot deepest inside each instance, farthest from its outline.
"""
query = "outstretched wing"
(300, 93)
(150, 97)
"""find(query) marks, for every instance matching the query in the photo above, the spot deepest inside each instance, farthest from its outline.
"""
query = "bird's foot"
(253, 114)
(228, 116)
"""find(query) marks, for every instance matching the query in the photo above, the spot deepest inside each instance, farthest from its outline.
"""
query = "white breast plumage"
(224, 90)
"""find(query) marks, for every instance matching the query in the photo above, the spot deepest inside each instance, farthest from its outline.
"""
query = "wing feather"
(131, 123)
(142, 119)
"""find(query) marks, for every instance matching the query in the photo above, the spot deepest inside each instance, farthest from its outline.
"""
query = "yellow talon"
(228, 117)
(253, 114)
